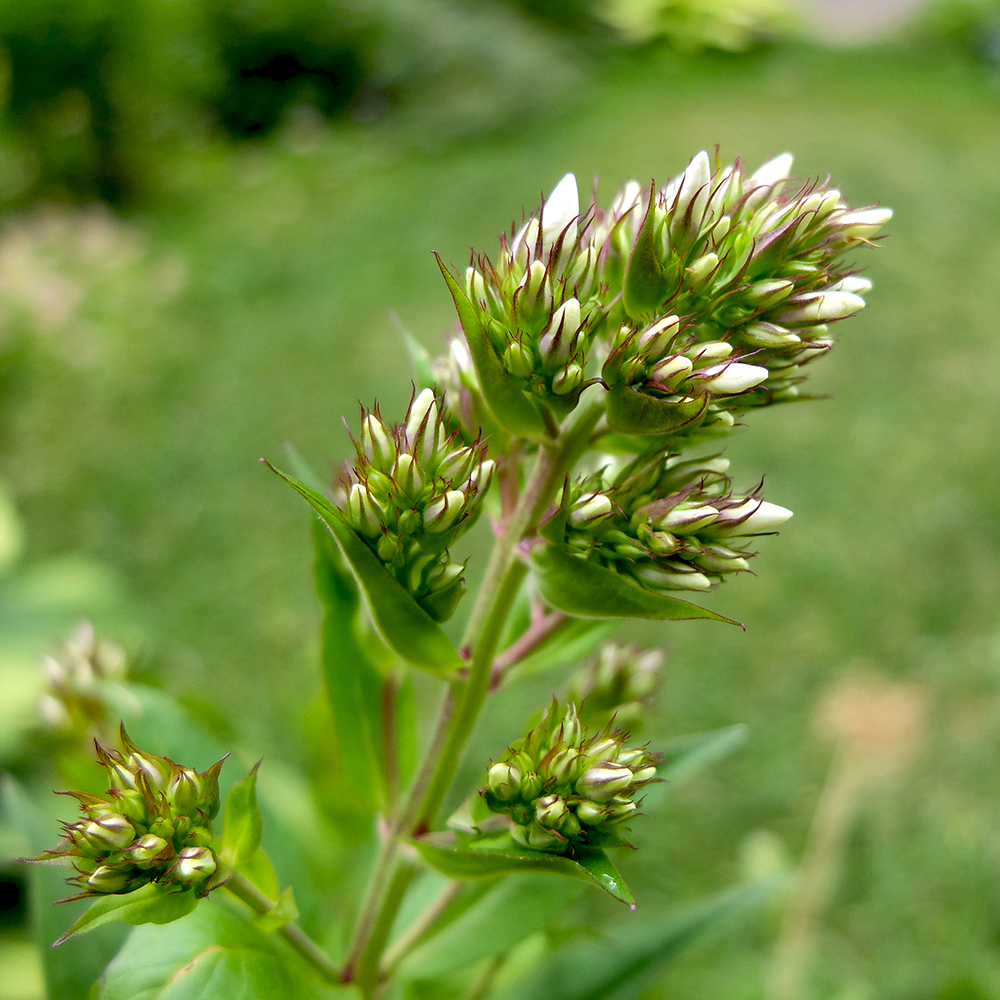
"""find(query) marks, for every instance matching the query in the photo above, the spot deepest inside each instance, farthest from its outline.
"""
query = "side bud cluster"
(414, 490)
(670, 525)
(564, 788)
(155, 825)
(541, 303)
(619, 683)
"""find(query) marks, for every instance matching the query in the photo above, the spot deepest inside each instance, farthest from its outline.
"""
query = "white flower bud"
(818, 307)
(692, 192)
(767, 293)
(504, 781)
(853, 284)
(766, 181)
(710, 350)
(862, 224)
(657, 575)
(657, 338)
(444, 511)
(422, 425)
(683, 519)
(602, 781)
(482, 475)
(364, 511)
(700, 270)
(109, 831)
(376, 444)
(763, 516)
(475, 287)
(524, 242)
(591, 813)
(590, 508)
(672, 370)
(560, 212)
(770, 335)
(194, 864)
(732, 378)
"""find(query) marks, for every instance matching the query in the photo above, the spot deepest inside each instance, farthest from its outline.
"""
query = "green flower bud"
(148, 850)
(568, 380)
(504, 781)
(108, 832)
(376, 443)
(443, 512)
(106, 880)
(518, 360)
(551, 812)
(194, 865)
(591, 813)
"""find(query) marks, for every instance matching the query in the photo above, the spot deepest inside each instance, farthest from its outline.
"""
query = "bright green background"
(150, 360)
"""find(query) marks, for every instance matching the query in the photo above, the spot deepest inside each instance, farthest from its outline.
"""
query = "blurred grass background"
(179, 300)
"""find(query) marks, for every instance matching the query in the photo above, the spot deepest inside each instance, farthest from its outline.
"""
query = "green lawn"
(150, 361)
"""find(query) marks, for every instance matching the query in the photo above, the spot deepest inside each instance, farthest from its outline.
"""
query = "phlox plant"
(605, 356)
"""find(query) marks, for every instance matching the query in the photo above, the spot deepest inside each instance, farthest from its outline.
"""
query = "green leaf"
(634, 412)
(683, 757)
(500, 855)
(511, 407)
(301, 468)
(645, 286)
(583, 589)
(627, 958)
(241, 827)
(516, 907)
(353, 682)
(284, 911)
(403, 625)
(152, 904)
(215, 953)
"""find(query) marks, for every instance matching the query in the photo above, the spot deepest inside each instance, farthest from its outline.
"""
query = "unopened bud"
(818, 307)
(671, 576)
(601, 782)
(657, 338)
(504, 781)
(378, 446)
(147, 849)
(363, 510)
(518, 360)
(699, 272)
(444, 511)
(194, 864)
(590, 508)
(105, 879)
(673, 370)
(568, 380)
(750, 517)
(551, 811)
(109, 831)
(735, 377)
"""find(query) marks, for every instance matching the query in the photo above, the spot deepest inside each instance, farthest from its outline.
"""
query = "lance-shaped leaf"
(151, 904)
(216, 953)
(403, 625)
(241, 827)
(489, 856)
(511, 407)
(584, 589)
(625, 960)
(645, 286)
(507, 914)
(634, 412)
(353, 679)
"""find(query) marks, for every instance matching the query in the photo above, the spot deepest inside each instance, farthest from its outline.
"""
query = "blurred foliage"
(93, 93)
(970, 25)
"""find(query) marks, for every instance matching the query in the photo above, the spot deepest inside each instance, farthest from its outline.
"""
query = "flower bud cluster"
(73, 705)
(667, 523)
(461, 395)
(155, 825)
(414, 490)
(564, 788)
(541, 303)
(749, 260)
(618, 683)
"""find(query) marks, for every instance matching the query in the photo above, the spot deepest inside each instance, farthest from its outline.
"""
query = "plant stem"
(423, 923)
(243, 889)
(532, 637)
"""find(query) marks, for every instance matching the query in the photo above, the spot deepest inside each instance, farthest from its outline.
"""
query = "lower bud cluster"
(671, 525)
(154, 826)
(564, 788)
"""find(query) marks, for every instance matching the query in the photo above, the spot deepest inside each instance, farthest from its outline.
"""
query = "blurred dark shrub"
(91, 90)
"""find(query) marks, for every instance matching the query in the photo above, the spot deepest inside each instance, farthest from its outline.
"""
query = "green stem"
(243, 889)
(420, 926)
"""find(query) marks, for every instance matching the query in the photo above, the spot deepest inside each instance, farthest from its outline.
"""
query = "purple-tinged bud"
(563, 764)
(770, 335)
(443, 512)
(700, 271)
(591, 508)
(766, 293)
(602, 781)
(194, 864)
(407, 475)
(750, 517)
(504, 781)
(148, 850)
(105, 879)
(551, 811)
(364, 512)
(732, 378)
(108, 832)
(672, 371)
(684, 518)
(712, 350)
(533, 297)
(693, 192)
(818, 307)
(656, 339)
(853, 284)
(568, 380)
(860, 225)
(376, 443)
(620, 810)
(556, 343)
(767, 180)
(559, 214)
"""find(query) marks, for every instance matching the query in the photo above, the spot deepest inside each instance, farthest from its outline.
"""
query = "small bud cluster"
(73, 704)
(751, 262)
(669, 524)
(618, 683)
(541, 303)
(415, 489)
(461, 395)
(154, 826)
(564, 788)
